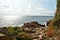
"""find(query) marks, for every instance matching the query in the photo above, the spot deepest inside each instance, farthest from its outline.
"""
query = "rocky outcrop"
(33, 24)
(48, 22)
(35, 29)
(4, 31)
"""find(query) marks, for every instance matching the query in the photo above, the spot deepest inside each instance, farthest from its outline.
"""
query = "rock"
(48, 22)
(33, 24)
(42, 25)
(35, 29)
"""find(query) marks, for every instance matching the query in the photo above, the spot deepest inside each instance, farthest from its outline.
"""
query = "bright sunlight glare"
(11, 17)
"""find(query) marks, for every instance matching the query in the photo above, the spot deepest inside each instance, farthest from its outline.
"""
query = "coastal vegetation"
(34, 30)
(53, 29)
(28, 31)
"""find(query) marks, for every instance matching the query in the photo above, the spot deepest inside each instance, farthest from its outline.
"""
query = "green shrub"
(25, 36)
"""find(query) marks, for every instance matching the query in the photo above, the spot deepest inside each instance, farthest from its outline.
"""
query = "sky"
(28, 7)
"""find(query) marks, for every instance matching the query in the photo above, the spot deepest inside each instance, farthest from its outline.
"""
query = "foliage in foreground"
(19, 33)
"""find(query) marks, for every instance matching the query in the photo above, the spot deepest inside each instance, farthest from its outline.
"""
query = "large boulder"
(33, 24)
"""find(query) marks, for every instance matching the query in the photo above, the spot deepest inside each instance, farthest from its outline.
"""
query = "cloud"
(29, 6)
(38, 10)
(29, 9)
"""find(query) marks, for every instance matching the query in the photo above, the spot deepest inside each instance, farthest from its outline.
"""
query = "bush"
(25, 36)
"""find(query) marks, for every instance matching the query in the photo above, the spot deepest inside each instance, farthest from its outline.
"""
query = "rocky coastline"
(34, 29)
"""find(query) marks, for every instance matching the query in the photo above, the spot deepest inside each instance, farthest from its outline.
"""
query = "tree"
(56, 20)
(55, 23)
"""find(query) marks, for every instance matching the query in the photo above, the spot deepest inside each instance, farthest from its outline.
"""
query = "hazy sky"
(27, 7)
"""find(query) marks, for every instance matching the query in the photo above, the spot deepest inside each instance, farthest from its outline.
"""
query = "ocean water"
(19, 21)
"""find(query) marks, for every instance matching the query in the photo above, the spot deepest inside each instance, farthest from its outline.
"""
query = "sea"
(19, 21)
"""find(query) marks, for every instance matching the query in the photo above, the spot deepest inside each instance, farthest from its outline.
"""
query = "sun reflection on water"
(11, 17)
